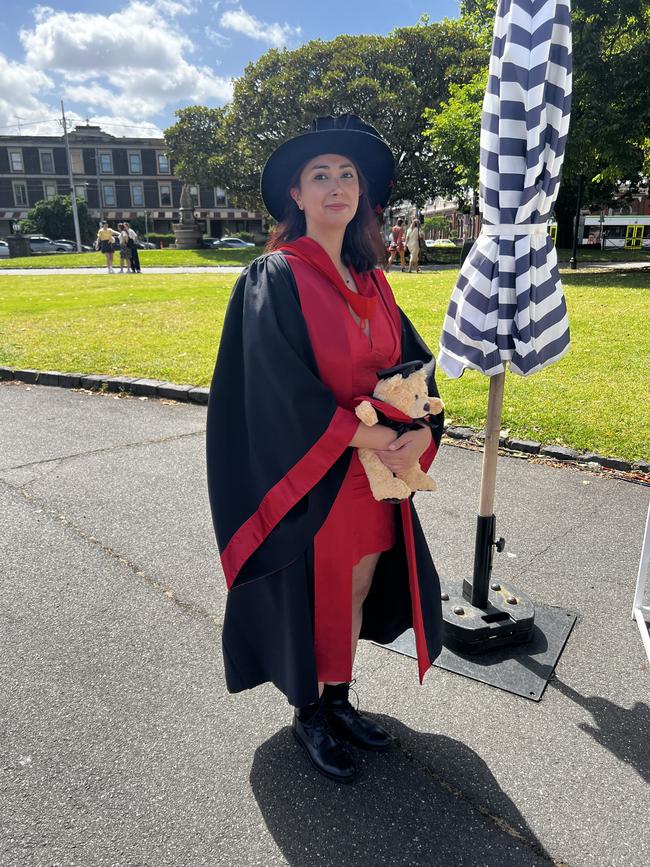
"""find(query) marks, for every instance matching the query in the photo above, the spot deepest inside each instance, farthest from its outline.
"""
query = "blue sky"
(128, 64)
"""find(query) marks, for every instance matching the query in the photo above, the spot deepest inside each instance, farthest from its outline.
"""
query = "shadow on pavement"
(625, 733)
(397, 813)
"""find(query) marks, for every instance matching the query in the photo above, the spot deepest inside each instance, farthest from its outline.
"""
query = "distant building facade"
(120, 179)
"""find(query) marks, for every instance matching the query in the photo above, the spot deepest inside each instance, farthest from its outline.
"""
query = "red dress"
(357, 525)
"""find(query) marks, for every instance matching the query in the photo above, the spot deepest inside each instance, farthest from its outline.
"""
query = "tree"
(53, 217)
(610, 119)
(193, 141)
(388, 81)
(454, 135)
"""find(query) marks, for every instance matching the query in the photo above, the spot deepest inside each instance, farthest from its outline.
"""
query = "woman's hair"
(415, 224)
(363, 247)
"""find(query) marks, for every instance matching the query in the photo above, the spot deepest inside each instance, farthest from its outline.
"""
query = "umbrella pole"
(486, 521)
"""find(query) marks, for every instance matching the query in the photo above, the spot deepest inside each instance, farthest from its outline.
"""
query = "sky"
(127, 65)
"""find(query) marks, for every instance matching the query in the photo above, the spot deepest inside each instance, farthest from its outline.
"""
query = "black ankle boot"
(326, 753)
(349, 724)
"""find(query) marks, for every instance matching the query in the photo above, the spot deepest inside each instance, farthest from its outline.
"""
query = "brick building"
(120, 178)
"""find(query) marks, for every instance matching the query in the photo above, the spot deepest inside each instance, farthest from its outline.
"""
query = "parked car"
(42, 244)
(233, 243)
(145, 245)
(440, 242)
(4, 250)
(72, 245)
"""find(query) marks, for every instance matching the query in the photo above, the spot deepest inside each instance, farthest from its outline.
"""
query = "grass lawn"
(167, 327)
(148, 258)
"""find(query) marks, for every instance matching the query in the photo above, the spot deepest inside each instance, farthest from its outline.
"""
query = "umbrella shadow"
(625, 732)
(410, 806)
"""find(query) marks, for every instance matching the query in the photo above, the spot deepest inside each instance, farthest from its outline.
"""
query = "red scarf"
(363, 303)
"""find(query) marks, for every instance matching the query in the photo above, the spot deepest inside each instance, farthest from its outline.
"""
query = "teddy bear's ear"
(366, 412)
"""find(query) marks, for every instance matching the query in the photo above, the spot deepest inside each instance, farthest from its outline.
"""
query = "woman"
(106, 244)
(312, 561)
(413, 237)
(397, 244)
(125, 252)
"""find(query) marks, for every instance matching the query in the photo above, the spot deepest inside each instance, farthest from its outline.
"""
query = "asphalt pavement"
(121, 745)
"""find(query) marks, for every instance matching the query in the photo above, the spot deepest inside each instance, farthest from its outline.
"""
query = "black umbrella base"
(508, 618)
(523, 669)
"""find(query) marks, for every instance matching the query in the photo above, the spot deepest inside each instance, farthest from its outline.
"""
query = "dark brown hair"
(363, 247)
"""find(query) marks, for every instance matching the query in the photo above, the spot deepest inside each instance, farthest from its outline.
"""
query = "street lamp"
(573, 261)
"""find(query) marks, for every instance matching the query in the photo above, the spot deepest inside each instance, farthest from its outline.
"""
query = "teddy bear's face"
(408, 395)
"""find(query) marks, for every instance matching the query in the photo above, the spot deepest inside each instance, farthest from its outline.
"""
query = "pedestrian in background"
(105, 242)
(397, 244)
(125, 252)
(133, 248)
(413, 241)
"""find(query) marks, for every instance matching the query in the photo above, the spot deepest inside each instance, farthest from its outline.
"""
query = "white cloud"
(218, 38)
(277, 35)
(23, 95)
(136, 55)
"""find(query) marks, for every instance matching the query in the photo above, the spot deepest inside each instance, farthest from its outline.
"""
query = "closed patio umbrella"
(508, 308)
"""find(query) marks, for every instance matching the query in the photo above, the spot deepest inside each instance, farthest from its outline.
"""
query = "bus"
(626, 231)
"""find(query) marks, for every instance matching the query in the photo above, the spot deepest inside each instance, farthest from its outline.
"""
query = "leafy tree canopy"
(193, 141)
(610, 120)
(388, 81)
(53, 217)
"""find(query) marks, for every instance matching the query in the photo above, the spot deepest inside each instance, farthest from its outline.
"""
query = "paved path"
(121, 746)
(235, 269)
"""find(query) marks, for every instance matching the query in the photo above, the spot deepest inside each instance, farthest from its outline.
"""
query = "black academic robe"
(277, 452)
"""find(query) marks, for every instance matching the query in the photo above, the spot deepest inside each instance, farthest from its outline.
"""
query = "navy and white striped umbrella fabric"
(508, 304)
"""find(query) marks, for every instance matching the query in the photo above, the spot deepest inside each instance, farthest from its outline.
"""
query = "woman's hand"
(406, 450)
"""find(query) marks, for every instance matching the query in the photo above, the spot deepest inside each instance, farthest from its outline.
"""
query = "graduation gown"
(278, 463)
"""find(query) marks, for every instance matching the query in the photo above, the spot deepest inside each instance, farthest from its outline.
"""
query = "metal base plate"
(522, 669)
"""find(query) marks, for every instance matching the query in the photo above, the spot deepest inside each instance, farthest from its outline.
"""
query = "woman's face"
(329, 191)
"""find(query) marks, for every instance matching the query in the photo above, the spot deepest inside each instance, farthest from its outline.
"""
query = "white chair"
(641, 612)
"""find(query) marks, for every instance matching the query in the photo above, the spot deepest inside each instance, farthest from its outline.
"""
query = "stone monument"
(188, 232)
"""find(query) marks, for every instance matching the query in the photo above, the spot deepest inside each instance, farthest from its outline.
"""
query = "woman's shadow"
(408, 807)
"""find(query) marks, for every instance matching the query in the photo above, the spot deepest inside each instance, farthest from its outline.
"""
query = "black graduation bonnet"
(347, 135)
(405, 369)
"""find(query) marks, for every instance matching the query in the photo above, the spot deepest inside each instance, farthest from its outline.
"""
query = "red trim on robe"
(424, 663)
(283, 496)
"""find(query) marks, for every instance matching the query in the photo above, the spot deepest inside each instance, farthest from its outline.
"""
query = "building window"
(80, 191)
(163, 164)
(47, 162)
(220, 197)
(76, 158)
(16, 160)
(135, 163)
(49, 190)
(108, 195)
(137, 195)
(165, 195)
(194, 192)
(106, 162)
(20, 194)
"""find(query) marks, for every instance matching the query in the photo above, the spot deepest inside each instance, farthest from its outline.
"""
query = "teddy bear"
(400, 397)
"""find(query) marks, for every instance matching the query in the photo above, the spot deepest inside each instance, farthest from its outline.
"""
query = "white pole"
(73, 197)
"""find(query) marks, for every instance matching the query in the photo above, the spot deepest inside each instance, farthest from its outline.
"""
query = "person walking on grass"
(413, 241)
(105, 243)
(397, 244)
(125, 252)
(312, 560)
(133, 247)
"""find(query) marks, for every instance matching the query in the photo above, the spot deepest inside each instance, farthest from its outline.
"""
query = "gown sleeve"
(415, 349)
(277, 444)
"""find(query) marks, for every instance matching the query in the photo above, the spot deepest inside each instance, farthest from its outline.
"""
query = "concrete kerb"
(142, 386)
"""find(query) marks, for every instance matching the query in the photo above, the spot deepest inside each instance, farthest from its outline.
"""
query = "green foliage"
(193, 141)
(157, 237)
(454, 133)
(53, 217)
(387, 80)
